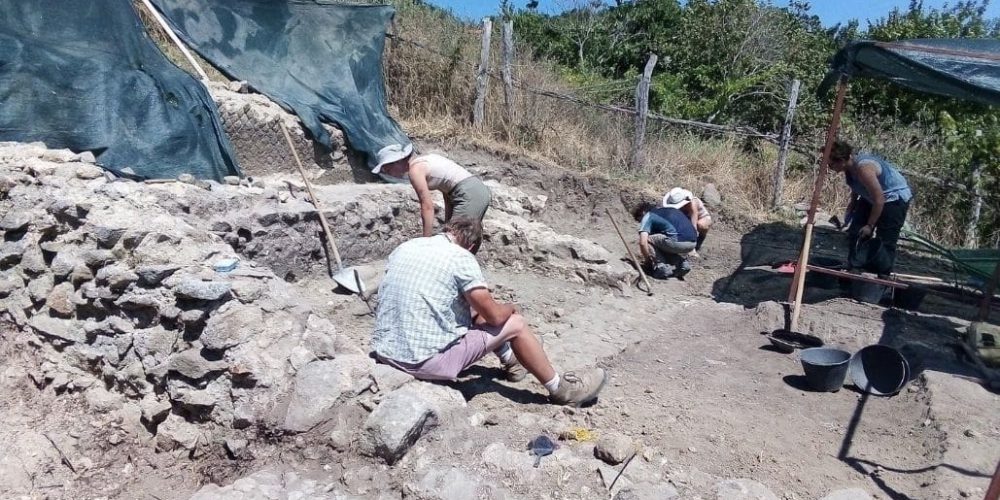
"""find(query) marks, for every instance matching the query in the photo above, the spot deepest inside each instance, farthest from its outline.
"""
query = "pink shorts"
(447, 364)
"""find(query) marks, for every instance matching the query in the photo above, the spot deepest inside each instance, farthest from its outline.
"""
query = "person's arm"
(418, 179)
(487, 309)
(644, 247)
(695, 210)
(869, 179)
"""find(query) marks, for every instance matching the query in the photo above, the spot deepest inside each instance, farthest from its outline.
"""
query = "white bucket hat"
(391, 153)
(677, 198)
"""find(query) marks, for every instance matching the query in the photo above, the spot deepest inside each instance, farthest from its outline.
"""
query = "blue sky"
(830, 11)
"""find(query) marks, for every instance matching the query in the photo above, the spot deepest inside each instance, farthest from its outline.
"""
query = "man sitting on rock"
(666, 237)
(436, 317)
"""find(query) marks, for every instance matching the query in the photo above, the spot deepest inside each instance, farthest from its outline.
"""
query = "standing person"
(465, 195)
(436, 317)
(693, 207)
(666, 237)
(880, 198)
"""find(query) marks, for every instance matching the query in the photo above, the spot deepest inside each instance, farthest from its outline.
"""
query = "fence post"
(972, 229)
(482, 75)
(786, 139)
(641, 110)
(508, 61)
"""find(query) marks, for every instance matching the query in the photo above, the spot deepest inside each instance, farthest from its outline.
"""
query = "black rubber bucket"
(825, 368)
(879, 369)
(909, 298)
(864, 291)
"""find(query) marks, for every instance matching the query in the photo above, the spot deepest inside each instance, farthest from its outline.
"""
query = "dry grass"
(433, 92)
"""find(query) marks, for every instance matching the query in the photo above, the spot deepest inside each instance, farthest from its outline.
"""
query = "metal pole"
(798, 280)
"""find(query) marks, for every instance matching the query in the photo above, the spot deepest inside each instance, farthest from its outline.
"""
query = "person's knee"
(515, 325)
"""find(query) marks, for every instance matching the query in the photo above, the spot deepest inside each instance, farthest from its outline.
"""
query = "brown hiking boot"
(578, 388)
(514, 371)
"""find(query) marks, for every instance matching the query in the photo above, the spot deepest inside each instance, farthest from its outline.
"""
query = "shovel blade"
(349, 279)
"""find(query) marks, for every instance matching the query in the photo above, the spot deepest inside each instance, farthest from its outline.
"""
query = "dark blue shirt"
(669, 221)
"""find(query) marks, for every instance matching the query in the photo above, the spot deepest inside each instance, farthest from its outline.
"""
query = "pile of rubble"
(170, 301)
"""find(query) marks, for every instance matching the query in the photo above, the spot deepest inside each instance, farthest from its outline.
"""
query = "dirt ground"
(694, 384)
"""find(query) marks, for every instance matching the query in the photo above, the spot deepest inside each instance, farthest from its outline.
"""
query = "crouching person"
(436, 317)
(666, 237)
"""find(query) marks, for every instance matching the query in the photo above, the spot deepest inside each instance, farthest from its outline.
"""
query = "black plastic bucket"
(864, 291)
(909, 298)
(879, 369)
(825, 368)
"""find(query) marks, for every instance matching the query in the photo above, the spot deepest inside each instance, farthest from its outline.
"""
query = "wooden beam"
(786, 139)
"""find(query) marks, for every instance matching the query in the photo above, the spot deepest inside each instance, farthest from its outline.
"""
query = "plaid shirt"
(421, 301)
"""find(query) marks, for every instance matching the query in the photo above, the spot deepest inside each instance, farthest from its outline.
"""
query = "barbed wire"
(810, 149)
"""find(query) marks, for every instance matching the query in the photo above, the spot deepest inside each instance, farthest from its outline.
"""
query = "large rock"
(15, 220)
(614, 448)
(318, 387)
(33, 261)
(11, 252)
(9, 283)
(191, 364)
(743, 489)
(102, 400)
(710, 195)
(396, 424)
(56, 328)
(116, 277)
(60, 299)
(232, 326)
(152, 275)
(153, 345)
(40, 287)
(97, 258)
(196, 289)
(64, 262)
(175, 432)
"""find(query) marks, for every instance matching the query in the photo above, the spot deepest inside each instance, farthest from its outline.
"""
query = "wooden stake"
(314, 199)
(786, 139)
(641, 110)
(972, 229)
(177, 41)
(507, 70)
(482, 75)
(993, 491)
(798, 281)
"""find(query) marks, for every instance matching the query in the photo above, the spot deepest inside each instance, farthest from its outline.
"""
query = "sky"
(830, 12)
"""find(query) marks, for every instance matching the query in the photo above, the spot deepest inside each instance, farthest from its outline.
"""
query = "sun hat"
(391, 153)
(677, 198)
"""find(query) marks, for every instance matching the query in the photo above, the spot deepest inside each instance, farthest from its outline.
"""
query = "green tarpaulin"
(966, 69)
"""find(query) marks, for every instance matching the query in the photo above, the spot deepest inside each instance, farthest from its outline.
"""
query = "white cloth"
(422, 306)
(442, 174)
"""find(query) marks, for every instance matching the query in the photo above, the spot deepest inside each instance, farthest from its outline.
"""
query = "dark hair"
(468, 233)
(841, 151)
(641, 209)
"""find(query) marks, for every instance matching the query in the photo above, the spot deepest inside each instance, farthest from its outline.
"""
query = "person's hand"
(865, 232)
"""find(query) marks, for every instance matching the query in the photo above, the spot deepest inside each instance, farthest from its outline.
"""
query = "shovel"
(348, 277)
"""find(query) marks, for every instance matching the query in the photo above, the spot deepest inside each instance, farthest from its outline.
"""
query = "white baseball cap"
(391, 153)
(677, 198)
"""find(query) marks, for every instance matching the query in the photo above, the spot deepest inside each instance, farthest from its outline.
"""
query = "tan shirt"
(442, 174)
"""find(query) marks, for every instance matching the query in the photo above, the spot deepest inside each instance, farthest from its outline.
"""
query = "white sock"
(506, 354)
(553, 385)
